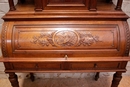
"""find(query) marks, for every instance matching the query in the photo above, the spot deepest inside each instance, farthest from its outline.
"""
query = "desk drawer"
(66, 65)
(37, 66)
(95, 65)
(49, 66)
(23, 66)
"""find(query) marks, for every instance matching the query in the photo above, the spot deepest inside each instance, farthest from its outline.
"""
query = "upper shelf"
(40, 5)
(65, 9)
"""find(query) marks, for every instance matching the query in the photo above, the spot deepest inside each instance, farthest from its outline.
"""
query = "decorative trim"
(3, 41)
(65, 38)
(127, 38)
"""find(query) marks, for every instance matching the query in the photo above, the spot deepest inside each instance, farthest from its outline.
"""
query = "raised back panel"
(66, 3)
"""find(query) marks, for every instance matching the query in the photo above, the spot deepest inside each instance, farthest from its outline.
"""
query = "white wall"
(126, 8)
(4, 8)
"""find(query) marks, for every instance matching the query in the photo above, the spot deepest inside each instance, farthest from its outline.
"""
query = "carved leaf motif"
(65, 38)
(87, 39)
(44, 39)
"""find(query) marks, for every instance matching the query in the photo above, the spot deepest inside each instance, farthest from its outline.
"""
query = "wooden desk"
(65, 39)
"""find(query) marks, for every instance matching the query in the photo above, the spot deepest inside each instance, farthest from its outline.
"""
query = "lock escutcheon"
(66, 56)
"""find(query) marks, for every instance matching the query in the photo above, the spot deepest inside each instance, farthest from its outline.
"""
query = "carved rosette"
(65, 38)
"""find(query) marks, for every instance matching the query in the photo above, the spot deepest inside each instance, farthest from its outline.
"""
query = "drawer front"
(82, 66)
(49, 66)
(101, 65)
(74, 40)
(24, 66)
(66, 66)
(107, 65)
(37, 66)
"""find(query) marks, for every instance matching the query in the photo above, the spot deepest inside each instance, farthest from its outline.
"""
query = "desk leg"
(32, 77)
(116, 79)
(13, 79)
(97, 76)
(11, 4)
(119, 4)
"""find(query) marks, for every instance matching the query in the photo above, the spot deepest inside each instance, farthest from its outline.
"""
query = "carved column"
(11, 5)
(116, 79)
(119, 4)
(13, 79)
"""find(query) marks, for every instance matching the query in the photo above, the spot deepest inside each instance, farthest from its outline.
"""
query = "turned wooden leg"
(119, 5)
(97, 76)
(11, 4)
(32, 77)
(116, 79)
(13, 79)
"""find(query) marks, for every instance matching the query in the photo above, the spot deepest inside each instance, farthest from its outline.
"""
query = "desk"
(68, 39)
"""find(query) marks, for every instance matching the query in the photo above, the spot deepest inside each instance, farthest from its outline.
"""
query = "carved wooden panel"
(58, 40)
(62, 37)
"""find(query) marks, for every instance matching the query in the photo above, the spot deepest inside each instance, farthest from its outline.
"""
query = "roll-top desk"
(65, 36)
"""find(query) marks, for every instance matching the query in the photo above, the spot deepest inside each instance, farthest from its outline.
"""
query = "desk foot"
(32, 77)
(13, 79)
(97, 76)
(116, 79)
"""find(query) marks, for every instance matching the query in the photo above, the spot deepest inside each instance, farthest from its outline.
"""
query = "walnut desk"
(65, 36)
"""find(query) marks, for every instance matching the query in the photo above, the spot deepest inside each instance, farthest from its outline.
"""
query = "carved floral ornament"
(65, 38)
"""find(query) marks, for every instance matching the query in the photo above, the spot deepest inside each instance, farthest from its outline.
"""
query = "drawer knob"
(66, 56)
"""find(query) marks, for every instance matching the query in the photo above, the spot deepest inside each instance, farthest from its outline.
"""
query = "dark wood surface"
(65, 36)
(42, 4)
